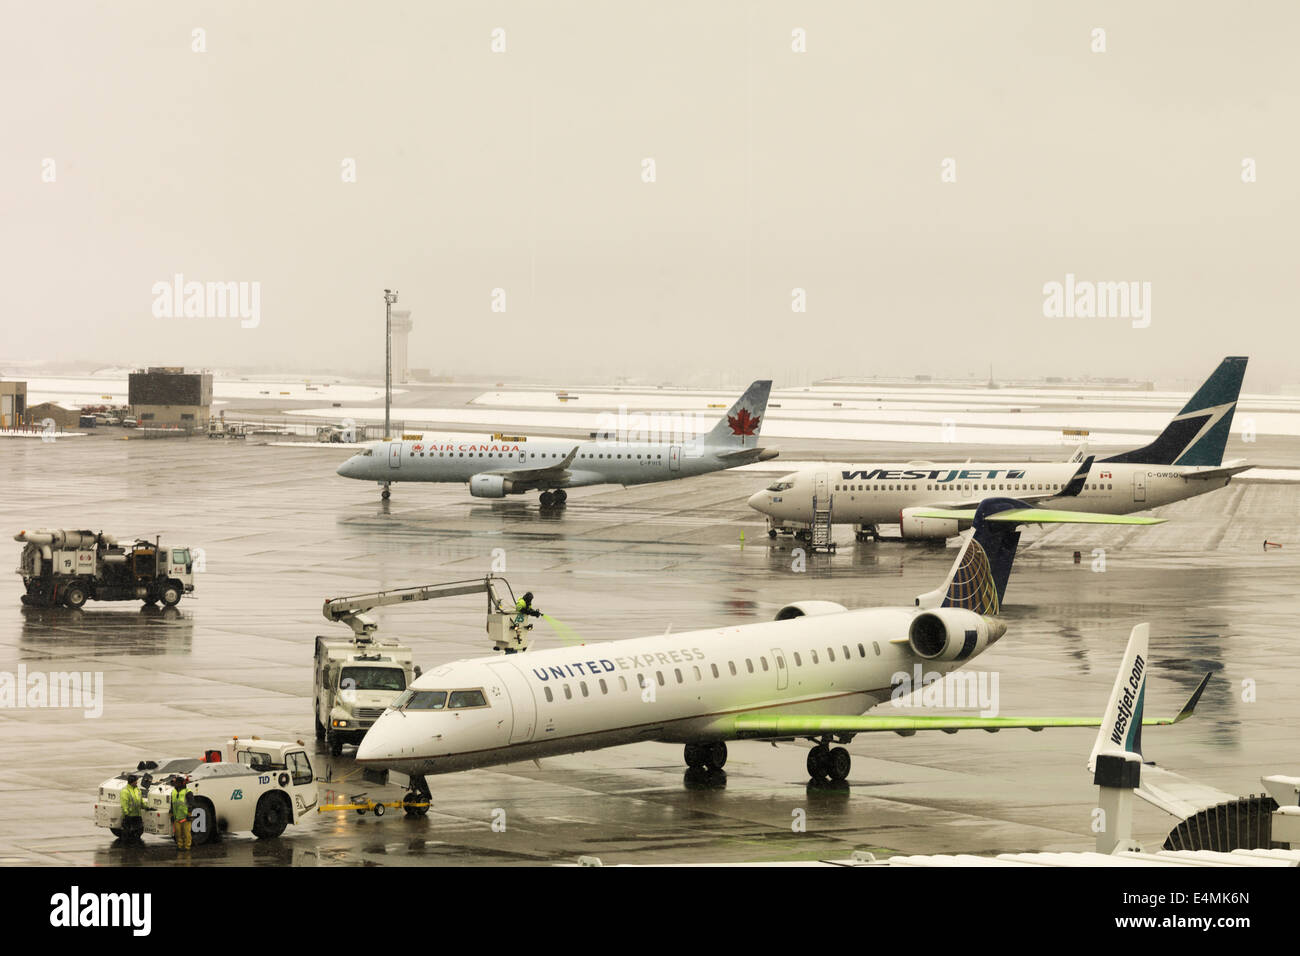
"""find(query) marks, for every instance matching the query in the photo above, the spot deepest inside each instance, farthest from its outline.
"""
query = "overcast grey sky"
(775, 170)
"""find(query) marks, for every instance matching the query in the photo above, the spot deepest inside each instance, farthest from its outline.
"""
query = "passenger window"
(877, 648)
(678, 672)
(732, 665)
(862, 651)
(798, 662)
(582, 685)
(603, 688)
(763, 661)
(698, 675)
(749, 665)
(847, 655)
(622, 683)
(550, 698)
(813, 654)
(830, 654)
(780, 663)
(659, 675)
(715, 669)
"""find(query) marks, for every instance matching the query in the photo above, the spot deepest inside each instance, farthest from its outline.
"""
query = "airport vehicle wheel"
(320, 729)
(204, 827)
(839, 764)
(385, 494)
(715, 755)
(336, 744)
(771, 532)
(171, 595)
(818, 758)
(74, 596)
(546, 499)
(695, 757)
(561, 496)
(272, 816)
(379, 809)
(116, 831)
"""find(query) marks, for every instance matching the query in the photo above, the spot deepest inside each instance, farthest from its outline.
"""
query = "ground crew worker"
(523, 608)
(181, 814)
(131, 802)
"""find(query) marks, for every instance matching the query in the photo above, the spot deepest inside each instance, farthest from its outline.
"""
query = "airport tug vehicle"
(72, 567)
(356, 680)
(250, 784)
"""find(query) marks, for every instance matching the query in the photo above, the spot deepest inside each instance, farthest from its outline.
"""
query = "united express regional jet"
(930, 500)
(810, 674)
(494, 469)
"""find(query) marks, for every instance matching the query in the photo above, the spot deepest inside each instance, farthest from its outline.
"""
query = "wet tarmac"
(280, 532)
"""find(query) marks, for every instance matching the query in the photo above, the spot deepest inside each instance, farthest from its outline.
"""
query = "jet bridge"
(506, 637)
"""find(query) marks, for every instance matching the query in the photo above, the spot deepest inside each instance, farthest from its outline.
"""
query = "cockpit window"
(422, 700)
(780, 485)
(467, 698)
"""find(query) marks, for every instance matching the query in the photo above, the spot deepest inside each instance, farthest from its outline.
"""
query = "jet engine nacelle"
(922, 529)
(809, 609)
(951, 634)
(490, 486)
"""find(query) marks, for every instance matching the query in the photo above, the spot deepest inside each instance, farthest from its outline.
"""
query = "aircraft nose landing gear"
(385, 494)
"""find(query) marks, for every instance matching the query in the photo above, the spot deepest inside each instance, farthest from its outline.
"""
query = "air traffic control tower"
(401, 329)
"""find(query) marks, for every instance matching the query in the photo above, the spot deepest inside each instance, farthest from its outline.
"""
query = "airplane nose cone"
(759, 501)
(370, 747)
(348, 468)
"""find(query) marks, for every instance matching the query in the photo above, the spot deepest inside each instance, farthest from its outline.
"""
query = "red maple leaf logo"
(743, 423)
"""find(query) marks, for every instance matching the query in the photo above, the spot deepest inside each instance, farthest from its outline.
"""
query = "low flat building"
(65, 417)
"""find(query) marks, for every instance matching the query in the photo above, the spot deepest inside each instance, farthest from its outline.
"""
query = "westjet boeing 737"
(494, 469)
(809, 674)
(931, 500)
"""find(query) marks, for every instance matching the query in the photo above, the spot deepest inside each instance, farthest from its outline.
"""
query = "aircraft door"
(1139, 486)
(821, 495)
(395, 455)
(782, 672)
(523, 705)
(675, 458)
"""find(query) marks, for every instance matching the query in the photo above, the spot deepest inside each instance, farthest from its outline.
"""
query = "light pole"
(390, 296)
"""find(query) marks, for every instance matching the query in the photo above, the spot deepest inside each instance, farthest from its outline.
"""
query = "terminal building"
(13, 404)
(170, 396)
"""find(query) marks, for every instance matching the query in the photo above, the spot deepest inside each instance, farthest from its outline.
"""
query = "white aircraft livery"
(930, 500)
(811, 673)
(512, 466)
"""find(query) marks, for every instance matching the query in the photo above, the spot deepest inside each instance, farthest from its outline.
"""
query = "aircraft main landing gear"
(825, 761)
(710, 756)
(385, 494)
(553, 499)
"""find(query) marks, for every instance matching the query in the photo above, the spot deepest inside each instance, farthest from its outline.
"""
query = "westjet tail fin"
(1121, 724)
(1198, 434)
(739, 428)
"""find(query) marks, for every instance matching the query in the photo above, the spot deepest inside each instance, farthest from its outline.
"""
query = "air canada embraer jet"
(930, 500)
(512, 466)
(810, 674)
